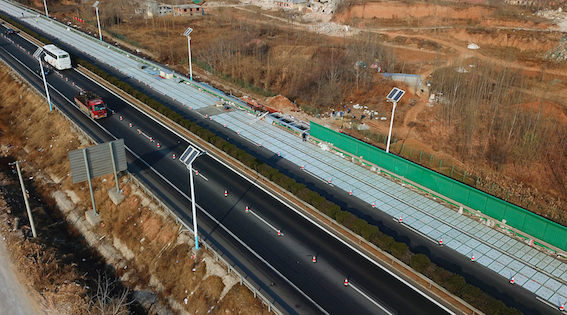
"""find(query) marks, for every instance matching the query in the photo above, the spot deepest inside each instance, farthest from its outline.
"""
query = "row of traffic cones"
(140, 132)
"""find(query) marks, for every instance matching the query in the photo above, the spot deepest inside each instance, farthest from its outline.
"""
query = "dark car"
(10, 31)
(46, 71)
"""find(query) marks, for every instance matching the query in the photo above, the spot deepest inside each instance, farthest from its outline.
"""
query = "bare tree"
(108, 299)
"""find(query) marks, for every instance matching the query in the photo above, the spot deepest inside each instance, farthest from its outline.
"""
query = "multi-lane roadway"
(281, 265)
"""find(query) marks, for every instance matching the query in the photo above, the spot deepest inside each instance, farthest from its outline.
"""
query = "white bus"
(57, 57)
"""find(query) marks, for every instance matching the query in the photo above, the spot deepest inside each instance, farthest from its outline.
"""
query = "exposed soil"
(133, 248)
(509, 37)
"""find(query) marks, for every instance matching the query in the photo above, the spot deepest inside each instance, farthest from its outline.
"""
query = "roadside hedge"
(454, 283)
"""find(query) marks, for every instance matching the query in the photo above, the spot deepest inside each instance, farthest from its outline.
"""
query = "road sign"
(99, 161)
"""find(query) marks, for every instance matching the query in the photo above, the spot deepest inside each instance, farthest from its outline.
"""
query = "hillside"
(498, 112)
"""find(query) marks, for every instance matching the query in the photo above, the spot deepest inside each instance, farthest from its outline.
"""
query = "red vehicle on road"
(91, 104)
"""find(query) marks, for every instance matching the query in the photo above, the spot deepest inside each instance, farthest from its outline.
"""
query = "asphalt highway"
(281, 265)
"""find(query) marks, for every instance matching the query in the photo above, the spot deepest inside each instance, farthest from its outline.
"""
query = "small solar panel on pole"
(95, 5)
(394, 96)
(187, 158)
(187, 33)
(37, 55)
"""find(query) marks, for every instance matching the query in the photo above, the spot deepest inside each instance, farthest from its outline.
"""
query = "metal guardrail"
(144, 61)
(218, 257)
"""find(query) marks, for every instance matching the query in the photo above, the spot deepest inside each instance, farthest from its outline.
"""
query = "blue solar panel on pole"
(189, 155)
(395, 94)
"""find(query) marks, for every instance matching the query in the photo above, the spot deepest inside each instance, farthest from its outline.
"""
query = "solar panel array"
(544, 275)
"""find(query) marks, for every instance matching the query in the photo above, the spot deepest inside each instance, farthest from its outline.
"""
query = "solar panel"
(392, 93)
(189, 155)
(395, 95)
(188, 31)
(37, 53)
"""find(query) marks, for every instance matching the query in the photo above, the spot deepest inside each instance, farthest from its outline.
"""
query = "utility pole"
(25, 198)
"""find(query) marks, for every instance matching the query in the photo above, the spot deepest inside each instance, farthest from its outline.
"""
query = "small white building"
(291, 4)
(153, 9)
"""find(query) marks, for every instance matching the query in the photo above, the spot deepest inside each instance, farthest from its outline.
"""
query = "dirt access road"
(14, 297)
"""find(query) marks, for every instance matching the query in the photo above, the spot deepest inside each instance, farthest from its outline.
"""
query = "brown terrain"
(306, 58)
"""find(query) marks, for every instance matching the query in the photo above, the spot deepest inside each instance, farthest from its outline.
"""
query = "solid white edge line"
(281, 201)
(178, 190)
(427, 237)
(369, 299)
(548, 304)
(293, 209)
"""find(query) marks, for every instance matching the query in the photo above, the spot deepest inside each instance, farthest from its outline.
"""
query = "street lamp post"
(24, 192)
(45, 6)
(95, 5)
(394, 96)
(186, 33)
(187, 158)
(37, 55)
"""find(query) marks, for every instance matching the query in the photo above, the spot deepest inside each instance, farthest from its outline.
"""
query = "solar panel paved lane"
(544, 275)
(537, 272)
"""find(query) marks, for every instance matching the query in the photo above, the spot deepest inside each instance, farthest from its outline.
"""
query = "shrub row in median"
(455, 284)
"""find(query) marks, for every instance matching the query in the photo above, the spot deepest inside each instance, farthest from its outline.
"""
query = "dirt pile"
(281, 103)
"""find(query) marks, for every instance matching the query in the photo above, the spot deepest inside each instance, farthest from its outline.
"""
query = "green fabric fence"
(515, 216)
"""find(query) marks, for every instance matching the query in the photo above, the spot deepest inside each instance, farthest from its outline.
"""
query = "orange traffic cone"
(314, 259)
(350, 193)
(441, 242)
(158, 145)
(512, 280)
(562, 307)
(174, 156)
(279, 232)
(400, 219)
(225, 193)
(121, 118)
(472, 258)
(130, 125)
(329, 180)
(247, 209)
(373, 205)
(346, 282)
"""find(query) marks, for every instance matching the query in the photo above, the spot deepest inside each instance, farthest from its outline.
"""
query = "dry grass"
(151, 236)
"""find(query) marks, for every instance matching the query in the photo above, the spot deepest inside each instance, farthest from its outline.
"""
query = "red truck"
(91, 104)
